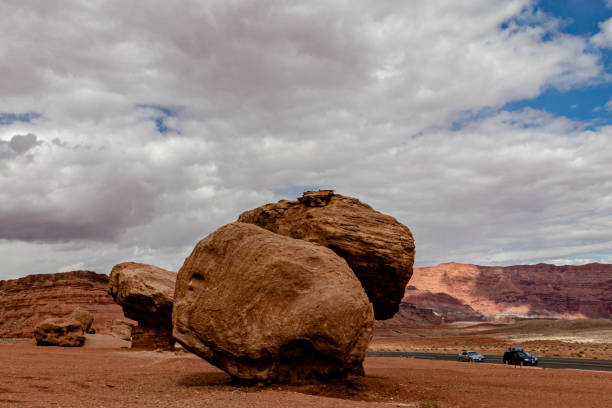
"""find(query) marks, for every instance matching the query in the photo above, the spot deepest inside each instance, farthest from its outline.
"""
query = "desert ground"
(589, 338)
(105, 375)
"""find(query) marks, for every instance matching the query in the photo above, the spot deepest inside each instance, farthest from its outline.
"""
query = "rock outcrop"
(59, 331)
(145, 292)
(266, 307)
(379, 249)
(447, 307)
(84, 317)
(525, 291)
(122, 330)
(26, 301)
(409, 316)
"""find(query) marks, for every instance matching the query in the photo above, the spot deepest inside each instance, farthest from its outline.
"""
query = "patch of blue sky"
(160, 120)
(584, 105)
(7, 118)
(600, 257)
(580, 17)
(291, 191)
(168, 111)
(588, 103)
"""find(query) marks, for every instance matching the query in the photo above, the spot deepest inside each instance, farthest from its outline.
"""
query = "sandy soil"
(546, 338)
(110, 377)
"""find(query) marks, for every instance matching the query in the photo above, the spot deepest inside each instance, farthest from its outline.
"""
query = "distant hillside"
(26, 301)
(465, 292)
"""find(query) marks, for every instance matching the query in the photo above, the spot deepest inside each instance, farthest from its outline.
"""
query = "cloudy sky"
(130, 130)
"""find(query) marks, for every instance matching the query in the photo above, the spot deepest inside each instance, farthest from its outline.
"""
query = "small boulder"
(266, 307)
(59, 331)
(379, 249)
(121, 329)
(84, 317)
(145, 292)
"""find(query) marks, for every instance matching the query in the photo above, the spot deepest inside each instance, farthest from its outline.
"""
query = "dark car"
(518, 356)
(471, 356)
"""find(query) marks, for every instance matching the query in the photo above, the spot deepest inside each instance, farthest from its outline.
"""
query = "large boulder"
(265, 307)
(376, 246)
(59, 331)
(84, 317)
(121, 329)
(145, 292)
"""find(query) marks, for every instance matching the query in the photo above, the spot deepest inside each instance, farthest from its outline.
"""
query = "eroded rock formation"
(59, 331)
(531, 291)
(449, 308)
(26, 301)
(379, 249)
(409, 316)
(266, 307)
(122, 330)
(145, 292)
(84, 317)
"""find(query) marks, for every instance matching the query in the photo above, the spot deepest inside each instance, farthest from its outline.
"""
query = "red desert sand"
(111, 377)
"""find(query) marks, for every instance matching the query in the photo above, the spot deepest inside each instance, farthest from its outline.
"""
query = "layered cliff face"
(26, 301)
(533, 291)
(444, 305)
(409, 315)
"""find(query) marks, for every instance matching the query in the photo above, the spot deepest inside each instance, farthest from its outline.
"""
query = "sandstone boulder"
(379, 249)
(59, 331)
(84, 317)
(146, 294)
(121, 329)
(265, 307)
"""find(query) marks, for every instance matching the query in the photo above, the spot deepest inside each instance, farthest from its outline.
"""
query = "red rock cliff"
(26, 301)
(540, 290)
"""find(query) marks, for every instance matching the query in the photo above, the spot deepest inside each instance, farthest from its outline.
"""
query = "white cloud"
(73, 267)
(609, 3)
(608, 105)
(603, 39)
(262, 99)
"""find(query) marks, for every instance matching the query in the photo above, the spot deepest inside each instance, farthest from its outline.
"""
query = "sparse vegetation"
(429, 404)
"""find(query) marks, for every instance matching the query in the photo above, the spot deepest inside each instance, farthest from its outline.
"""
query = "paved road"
(545, 362)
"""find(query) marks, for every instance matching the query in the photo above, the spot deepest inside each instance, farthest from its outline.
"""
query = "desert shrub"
(429, 404)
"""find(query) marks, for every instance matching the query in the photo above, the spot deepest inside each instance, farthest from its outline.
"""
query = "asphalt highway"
(544, 362)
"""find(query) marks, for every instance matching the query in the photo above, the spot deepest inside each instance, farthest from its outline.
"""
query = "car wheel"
(521, 363)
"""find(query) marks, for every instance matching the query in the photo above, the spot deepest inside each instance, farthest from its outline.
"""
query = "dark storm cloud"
(22, 143)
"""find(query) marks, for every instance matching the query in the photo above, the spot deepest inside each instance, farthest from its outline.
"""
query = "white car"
(471, 356)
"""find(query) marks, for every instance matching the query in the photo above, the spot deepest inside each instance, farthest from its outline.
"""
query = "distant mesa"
(266, 307)
(471, 292)
(410, 316)
(146, 293)
(379, 249)
(24, 302)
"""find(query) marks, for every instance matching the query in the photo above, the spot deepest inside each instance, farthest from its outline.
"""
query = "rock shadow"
(354, 388)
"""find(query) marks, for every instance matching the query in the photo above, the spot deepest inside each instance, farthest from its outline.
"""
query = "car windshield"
(473, 353)
(524, 354)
